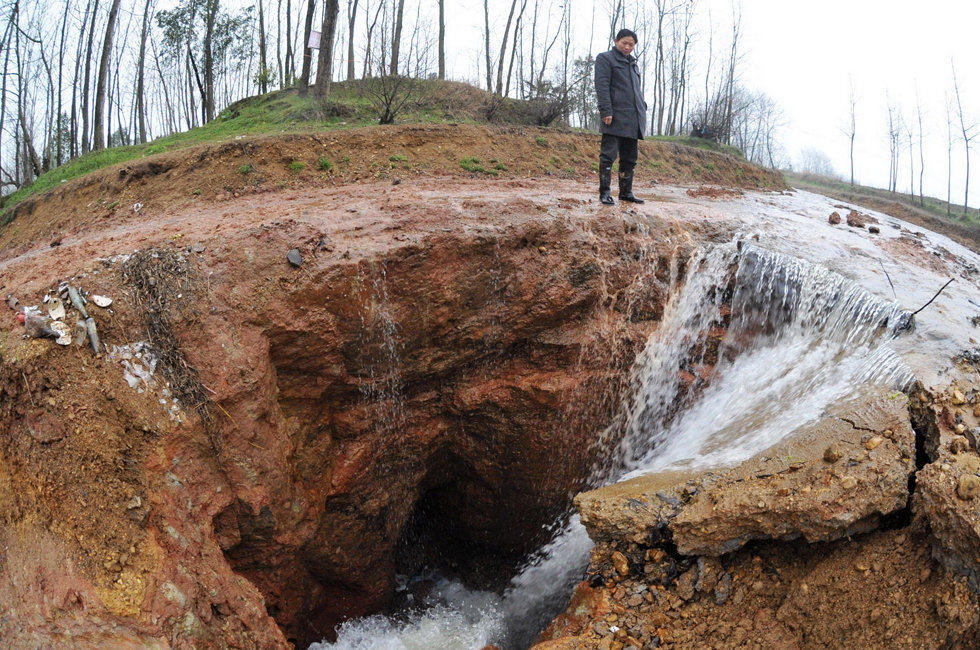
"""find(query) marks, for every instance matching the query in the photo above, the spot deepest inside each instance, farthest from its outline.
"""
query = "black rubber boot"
(626, 188)
(605, 182)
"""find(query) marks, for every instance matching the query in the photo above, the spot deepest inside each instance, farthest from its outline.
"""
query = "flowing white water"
(797, 338)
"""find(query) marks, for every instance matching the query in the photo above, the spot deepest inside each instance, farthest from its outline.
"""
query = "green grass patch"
(245, 169)
(297, 166)
(324, 164)
(398, 158)
(475, 165)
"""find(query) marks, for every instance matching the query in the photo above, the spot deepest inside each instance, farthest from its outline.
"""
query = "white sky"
(805, 55)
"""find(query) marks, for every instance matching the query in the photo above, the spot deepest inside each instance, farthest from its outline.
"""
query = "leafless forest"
(83, 75)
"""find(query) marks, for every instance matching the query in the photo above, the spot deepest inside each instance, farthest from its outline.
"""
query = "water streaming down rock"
(760, 355)
(753, 346)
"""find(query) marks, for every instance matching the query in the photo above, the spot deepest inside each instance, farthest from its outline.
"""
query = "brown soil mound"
(193, 178)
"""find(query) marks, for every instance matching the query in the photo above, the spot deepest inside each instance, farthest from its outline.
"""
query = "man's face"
(626, 45)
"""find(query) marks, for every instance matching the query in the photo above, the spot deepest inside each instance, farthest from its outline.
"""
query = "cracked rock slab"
(788, 491)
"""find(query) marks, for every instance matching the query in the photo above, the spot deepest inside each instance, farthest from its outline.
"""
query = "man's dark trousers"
(614, 144)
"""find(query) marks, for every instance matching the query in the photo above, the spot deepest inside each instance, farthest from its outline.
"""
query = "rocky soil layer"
(875, 553)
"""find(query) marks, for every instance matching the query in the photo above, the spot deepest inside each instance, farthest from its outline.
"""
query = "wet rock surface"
(796, 489)
(906, 579)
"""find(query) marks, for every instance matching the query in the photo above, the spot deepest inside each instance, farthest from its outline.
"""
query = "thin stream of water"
(798, 339)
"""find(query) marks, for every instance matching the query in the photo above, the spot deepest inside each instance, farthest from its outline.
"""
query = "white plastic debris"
(56, 309)
(62, 328)
(102, 301)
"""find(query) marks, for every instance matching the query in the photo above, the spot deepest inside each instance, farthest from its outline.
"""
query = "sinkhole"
(750, 345)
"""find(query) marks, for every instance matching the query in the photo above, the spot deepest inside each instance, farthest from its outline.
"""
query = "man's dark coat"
(618, 89)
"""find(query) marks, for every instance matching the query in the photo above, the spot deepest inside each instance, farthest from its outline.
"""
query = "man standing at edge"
(624, 115)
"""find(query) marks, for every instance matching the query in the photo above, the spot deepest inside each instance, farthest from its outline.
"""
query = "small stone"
(198, 248)
(861, 566)
(543, 250)
(685, 584)
(832, 454)
(960, 428)
(976, 411)
(888, 433)
(968, 487)
(958, 397)
(959, 444)
(874, 230)
(848, 482)
(873, 442)
(723, 589)
(294, 258)
(834, 218)
(621, 563)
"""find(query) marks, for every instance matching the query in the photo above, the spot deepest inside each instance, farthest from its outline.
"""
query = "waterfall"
(753, 346)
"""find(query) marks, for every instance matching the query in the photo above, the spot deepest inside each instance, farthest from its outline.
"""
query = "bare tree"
(351, 16)
(949, 157)
(503, 49)
(852, 129)
(442, 39)
(922, 158)
(486, 43)
(324, 67)
(397, 35)
(894, 144)
(98, 120)
(304, 78)
(967, 132)
(210, 16)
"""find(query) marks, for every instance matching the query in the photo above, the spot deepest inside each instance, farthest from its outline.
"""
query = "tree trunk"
(140, 76)
(263, 68)
(351, 17)
(59, 145)
(324, 66)
(290, 77)
(442, 39)
(397, 36)
(503, 50)
(304, 80)
(210, 16)
(486, 43)
(88, 75)
(98, 126)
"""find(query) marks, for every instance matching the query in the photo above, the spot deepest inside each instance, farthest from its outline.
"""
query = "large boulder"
(835, 478)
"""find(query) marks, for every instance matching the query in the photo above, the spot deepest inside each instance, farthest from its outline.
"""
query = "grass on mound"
(838, 187)
(350, 105)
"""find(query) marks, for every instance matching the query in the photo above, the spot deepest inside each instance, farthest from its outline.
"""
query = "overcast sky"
(806, 55)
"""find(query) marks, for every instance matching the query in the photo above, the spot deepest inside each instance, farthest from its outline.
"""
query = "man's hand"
(607, 120)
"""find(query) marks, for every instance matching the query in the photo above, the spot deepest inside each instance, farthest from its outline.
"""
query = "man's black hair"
(623, 33)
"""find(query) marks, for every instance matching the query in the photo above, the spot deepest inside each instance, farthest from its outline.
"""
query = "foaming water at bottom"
(454, 617)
